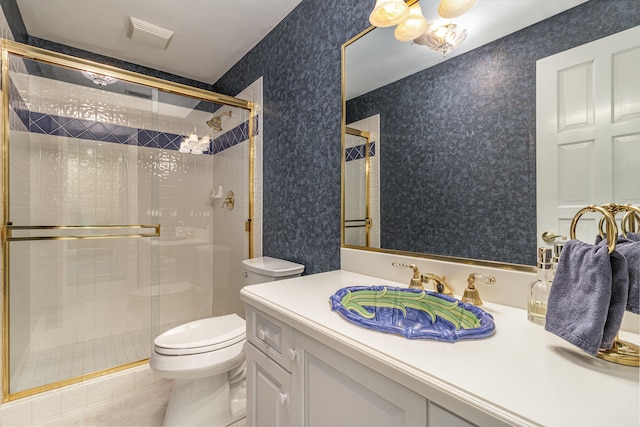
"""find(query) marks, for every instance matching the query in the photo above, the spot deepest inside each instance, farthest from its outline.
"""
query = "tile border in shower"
(51, 124)
(357, 152)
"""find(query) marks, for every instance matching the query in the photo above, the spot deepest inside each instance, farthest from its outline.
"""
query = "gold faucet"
(471, 294)
(440, 284)
(417, 281)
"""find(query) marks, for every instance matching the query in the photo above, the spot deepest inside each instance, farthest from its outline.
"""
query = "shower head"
(216, 121)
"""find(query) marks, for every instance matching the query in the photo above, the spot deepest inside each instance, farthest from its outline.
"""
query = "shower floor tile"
(73, 360)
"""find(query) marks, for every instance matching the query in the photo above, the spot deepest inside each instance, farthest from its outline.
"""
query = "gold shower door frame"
(152, 230)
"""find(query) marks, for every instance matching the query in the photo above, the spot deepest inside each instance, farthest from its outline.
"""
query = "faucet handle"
(415, 282)
(471, 294)
(483, 279)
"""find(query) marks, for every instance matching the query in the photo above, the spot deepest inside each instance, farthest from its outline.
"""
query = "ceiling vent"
(149, 34)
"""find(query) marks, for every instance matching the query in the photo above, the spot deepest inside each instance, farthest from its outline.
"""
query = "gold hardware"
(229, 201)
(622, 352)
(612, 227)
(550, 236)
(415, 282)
(216, 121)
(440, 284)
(630, 221)
(8, 235)
(247, 225)
(471, 293)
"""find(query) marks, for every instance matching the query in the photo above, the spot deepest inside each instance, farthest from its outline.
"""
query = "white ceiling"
(210, 36)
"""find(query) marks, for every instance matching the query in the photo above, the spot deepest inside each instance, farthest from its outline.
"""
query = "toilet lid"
(202, 335)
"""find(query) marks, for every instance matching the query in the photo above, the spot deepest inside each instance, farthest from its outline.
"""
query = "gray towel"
(629, 248)
(633, 236)
(580, 295)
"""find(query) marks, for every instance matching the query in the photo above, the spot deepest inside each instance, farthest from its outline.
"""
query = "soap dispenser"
(539, 289)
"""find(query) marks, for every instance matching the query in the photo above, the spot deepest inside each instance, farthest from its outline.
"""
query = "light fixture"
(191, 144)
(387, 13)
(413, 26)
(99, 79)
(442, 38)
(453, 8)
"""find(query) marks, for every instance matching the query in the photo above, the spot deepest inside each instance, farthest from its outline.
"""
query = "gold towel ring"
(612, 228)
(631, 220)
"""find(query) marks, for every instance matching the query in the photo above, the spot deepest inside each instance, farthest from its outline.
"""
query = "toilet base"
(209, 401)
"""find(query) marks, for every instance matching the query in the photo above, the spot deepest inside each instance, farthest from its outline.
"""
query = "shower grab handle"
(7, 235)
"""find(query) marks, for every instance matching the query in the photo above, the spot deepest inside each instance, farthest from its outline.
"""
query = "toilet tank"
(267, 269)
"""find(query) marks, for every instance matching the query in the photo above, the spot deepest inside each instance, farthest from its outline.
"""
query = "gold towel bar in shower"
(7, 234)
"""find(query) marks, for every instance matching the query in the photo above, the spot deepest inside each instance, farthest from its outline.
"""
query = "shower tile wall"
(97, 304)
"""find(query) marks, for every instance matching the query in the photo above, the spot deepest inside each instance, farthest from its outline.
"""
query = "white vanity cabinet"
(308, 366)
(268, 390)
(269, 354)
(334, 390)
(292, 379)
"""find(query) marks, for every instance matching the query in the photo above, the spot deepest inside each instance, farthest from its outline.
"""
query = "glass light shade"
(453, 8)
(387, 13)
(442, 38)
(413, 26)
(203, 143)
(184, 147)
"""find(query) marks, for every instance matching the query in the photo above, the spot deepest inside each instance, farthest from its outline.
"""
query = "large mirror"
(455, 136)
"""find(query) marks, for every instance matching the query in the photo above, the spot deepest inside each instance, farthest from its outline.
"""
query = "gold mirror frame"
(343, 127)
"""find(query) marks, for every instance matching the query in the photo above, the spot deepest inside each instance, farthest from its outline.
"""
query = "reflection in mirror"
(362, 208)
(458, 165)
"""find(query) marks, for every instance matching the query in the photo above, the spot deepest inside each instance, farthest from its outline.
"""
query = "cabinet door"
(268, 387)
(440, 417)
(336, 390)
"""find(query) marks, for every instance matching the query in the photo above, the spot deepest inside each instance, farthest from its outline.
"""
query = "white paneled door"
(588, 132)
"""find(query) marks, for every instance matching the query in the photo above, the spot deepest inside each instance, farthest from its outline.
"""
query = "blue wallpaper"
(300, 64)
(473, 120)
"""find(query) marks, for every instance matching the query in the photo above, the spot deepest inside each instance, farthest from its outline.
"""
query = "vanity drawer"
(271, 336)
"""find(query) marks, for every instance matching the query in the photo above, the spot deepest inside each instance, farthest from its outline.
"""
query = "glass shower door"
(126, 211)
(81, 215)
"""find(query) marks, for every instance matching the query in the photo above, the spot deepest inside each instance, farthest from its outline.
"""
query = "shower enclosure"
(361, 185)
(123, 214)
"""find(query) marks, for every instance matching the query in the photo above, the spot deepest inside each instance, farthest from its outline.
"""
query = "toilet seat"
(201, 336)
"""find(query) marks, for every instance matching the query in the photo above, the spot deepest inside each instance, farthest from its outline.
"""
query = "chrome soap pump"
(539, 289)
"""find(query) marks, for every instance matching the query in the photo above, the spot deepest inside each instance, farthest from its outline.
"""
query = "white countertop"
(522, 375)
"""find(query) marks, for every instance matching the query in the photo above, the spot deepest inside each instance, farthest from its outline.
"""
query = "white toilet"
(205, 358)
